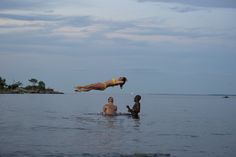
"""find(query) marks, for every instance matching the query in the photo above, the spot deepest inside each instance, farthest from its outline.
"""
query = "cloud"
(10, 26)
(200, 3)
(47, 33)
(32, 17)
(185, 9)
(78, 32)
(24, 4)
(152, 33)
(83, 30)
(78, 21)
(71, 29)
(13, 23)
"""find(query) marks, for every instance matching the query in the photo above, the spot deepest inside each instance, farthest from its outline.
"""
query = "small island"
(36, 87)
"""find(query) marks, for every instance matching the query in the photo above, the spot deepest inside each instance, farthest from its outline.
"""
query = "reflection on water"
(43, 125)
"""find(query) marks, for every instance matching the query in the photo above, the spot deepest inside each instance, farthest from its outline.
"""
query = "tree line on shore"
(17, 87)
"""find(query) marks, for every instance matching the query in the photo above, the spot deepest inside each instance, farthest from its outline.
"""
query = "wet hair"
(124, 79)
(110, 99)
(137, 97)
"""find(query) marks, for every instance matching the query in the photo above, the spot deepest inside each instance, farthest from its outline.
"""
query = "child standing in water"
(136, 107)
(109, 108)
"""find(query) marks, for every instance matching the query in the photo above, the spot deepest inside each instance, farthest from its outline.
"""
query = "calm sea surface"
(69, 125)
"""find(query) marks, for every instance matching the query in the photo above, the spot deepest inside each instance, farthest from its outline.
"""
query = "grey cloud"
(200, 3)
(189, 33)
(46, 34)
(35, 17)
(63, 20)
(185, 9)
(79, 20)
(23, 4)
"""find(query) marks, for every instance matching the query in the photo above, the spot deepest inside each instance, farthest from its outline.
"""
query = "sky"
(161, 46)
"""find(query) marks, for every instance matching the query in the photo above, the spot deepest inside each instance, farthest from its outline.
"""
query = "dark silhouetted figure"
(136, 107)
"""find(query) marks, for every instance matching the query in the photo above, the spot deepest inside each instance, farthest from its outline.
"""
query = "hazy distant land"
(37, 87)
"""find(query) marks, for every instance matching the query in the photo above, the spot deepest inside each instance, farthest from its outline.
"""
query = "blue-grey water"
(68, 125)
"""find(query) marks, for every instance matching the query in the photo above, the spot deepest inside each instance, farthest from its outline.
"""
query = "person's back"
(109, 108)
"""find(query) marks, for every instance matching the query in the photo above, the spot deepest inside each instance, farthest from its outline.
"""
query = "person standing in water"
(136, 107)
(102, 85)
(109, 108)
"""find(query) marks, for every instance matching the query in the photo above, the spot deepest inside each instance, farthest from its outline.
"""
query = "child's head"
(137, 98)
(110, 99)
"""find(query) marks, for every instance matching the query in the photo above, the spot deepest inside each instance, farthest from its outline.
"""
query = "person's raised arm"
(129, 109)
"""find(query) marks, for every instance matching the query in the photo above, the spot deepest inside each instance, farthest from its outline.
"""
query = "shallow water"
(69, 125)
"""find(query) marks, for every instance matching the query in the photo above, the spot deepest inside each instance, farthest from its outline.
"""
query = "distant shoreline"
(37, 87)
(192, 94)
(31, 91)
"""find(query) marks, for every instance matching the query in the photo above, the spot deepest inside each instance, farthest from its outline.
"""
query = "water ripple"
(179, 135)
(221, 134)
(22, 153)
(54, 128)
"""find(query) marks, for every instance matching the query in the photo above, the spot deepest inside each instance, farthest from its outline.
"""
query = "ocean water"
(70, 125)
